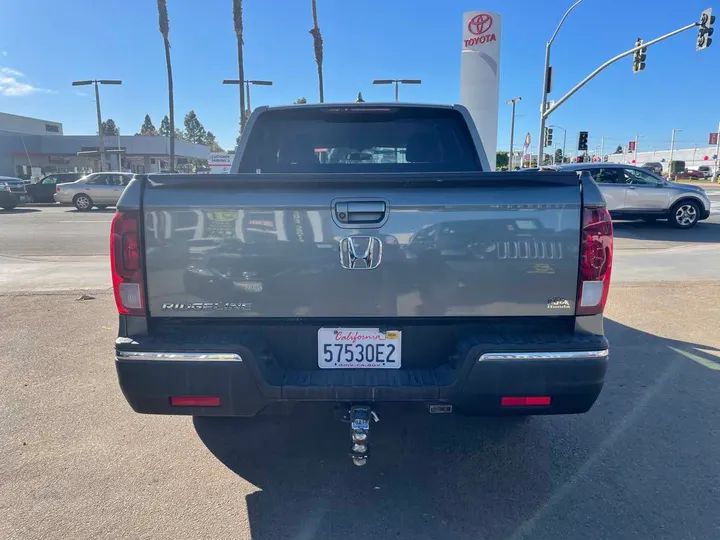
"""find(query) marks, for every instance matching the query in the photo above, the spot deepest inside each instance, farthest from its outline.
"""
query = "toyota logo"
(480, 23)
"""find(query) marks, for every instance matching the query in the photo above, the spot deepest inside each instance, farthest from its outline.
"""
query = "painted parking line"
(710, 364)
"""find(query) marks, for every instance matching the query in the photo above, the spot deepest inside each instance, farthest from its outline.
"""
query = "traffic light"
(583, 141)
(548, 136)
(705, 30)
(639, 58)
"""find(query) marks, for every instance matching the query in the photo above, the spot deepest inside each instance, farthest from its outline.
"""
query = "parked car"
(635, 193)
(96, 189)
(706, 170)
(43, 191)
(653, 166)
(12, 192)
(691, 175)
(361, 283)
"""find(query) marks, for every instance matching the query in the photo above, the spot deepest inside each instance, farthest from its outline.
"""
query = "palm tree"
(318, 43)
(165, 30)
(238, 21)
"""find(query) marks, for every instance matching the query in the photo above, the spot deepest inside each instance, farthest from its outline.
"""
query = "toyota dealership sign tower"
(480, 74)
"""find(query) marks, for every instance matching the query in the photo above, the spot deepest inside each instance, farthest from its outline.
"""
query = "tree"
(619, 149)
(194, 130)
(211, 142)
(238, 23)
(300, 101)
(359, 98)
(165, 31)
(109, 127)
(179, 135)
(502, 159)
(318, 46)
(147, 127)
(165, 127)
(558, 155)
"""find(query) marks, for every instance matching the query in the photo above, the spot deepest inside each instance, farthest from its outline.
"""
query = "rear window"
(355, 139)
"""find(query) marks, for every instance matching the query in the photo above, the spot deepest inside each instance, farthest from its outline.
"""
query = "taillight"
(596, 251)
(57, 189)
(125, 262)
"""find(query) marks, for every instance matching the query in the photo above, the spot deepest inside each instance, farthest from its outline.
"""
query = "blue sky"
(46, 44)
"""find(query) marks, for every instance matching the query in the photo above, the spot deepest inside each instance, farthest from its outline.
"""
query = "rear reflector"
(525, 401)
(195, 401)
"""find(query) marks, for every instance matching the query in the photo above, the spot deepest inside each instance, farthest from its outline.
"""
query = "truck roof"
(365, 104)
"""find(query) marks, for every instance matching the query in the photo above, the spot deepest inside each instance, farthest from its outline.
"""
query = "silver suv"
(636, 193)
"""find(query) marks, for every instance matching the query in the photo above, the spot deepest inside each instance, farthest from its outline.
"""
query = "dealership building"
(31, 147)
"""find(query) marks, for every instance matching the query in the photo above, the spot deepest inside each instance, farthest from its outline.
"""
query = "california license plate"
(353, 348)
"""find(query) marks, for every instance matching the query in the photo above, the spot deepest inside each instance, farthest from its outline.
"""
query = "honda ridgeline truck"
(361, 255)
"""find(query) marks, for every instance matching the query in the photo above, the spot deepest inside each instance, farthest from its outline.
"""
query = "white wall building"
(693, 157)
(29, 126)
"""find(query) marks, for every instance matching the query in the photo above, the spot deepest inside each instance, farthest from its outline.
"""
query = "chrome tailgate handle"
(360, 211)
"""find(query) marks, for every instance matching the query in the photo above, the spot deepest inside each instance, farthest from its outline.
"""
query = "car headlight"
(4, 187)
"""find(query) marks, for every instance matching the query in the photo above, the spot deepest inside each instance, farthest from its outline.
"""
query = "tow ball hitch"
(360, 417)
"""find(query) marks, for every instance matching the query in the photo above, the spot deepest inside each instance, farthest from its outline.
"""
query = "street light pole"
(546, 74)
(397, 82)
(636, 145)
(512, 130)
(716, 176)
(602, 149)
(672, 150)
(101, 140)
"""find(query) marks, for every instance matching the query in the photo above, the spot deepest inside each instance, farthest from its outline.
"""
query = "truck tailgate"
(458, 245)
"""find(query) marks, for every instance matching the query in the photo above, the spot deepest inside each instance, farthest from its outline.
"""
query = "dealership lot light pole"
(247, 92)
(397, 82)
(512, 130)
(101, 141)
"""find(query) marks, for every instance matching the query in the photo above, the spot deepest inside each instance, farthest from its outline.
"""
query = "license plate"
(353, 348)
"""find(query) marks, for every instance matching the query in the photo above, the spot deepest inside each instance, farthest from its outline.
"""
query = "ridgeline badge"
(558, 303)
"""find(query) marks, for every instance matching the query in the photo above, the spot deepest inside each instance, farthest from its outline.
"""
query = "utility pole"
(602, 149)
(512, 131)
(672, 150)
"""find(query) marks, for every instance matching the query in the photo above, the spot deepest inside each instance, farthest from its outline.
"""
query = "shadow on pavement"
(703, 232)
(448, 476)
(19, 211)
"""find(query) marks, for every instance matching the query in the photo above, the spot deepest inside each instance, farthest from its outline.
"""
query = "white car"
(97, 189)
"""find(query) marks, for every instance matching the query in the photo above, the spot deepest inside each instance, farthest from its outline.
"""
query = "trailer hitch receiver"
(360, 418)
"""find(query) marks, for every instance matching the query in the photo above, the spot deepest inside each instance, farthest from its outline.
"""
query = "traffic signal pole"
(545, 112)
(546, 83)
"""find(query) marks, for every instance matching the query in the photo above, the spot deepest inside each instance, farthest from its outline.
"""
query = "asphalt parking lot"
(76, 462)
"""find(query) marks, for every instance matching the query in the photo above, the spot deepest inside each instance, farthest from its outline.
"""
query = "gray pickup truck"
(361, 255)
